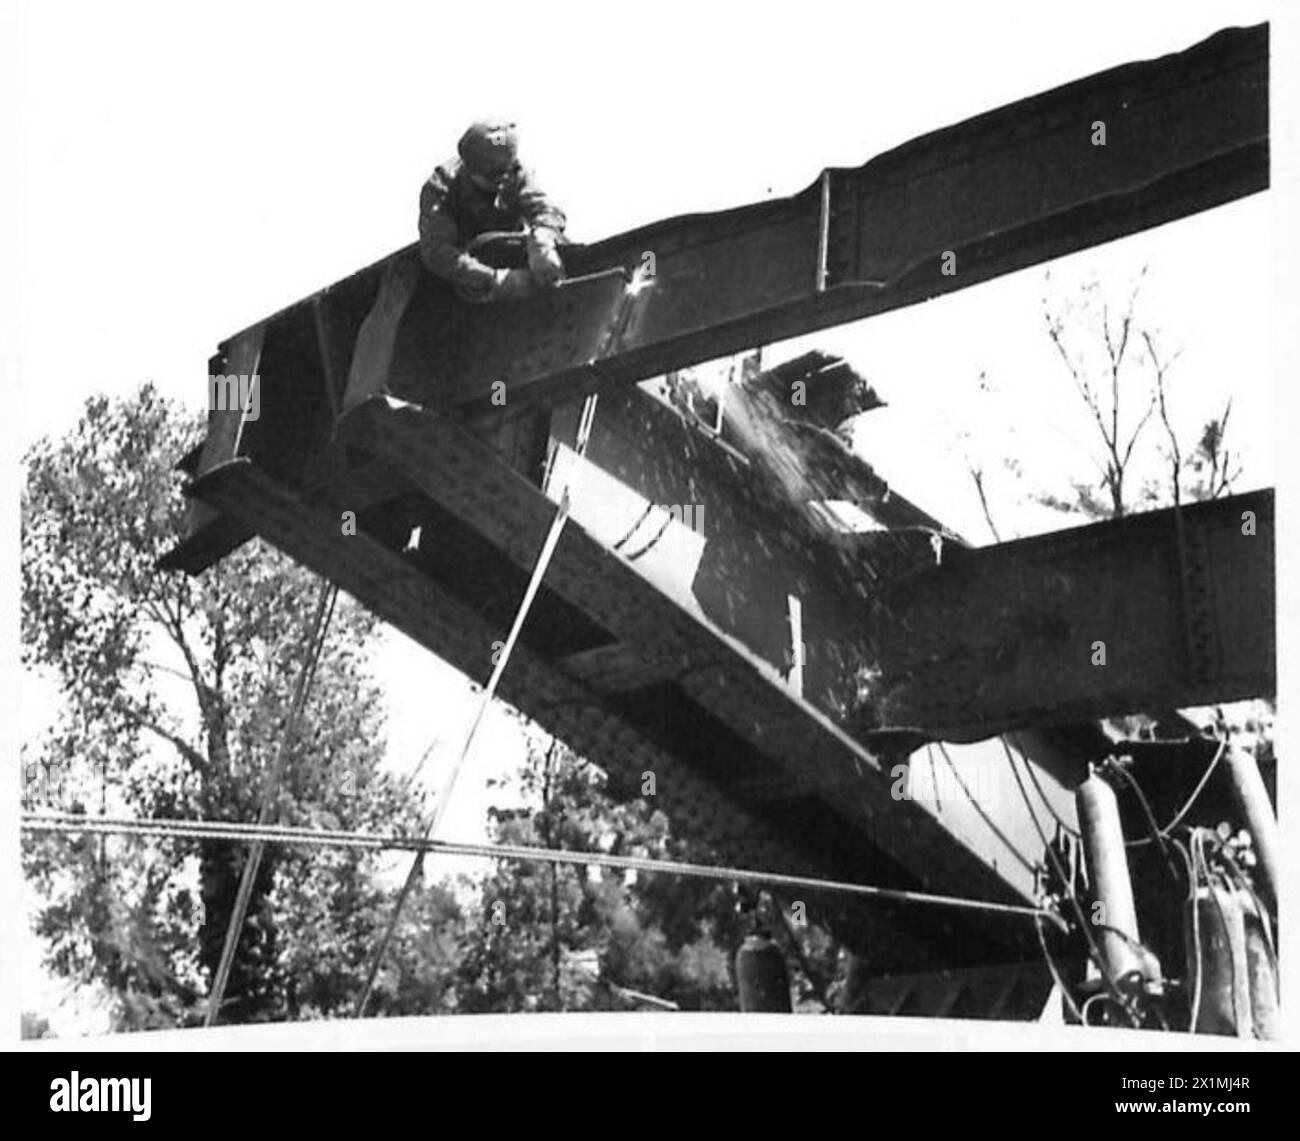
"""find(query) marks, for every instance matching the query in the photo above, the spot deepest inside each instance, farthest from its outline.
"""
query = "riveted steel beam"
(1160, 610)
(1005, 190)
(721, 703)
(814, 835)
(996, 193)
(1008, 189)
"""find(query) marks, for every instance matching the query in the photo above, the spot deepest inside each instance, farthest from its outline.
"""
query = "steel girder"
(834, 816)
(1154, 611)
(999, 192)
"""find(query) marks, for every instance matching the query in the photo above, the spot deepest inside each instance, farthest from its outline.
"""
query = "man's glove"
(512, 285)
(472, 280)
(543, 258)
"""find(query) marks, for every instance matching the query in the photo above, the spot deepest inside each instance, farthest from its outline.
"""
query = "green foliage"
(174, 695)
(589, 938)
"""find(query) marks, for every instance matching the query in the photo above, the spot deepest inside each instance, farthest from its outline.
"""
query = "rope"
(1156, 834)
(1024, 863)
(1074, 902)
(1114, 766)
(271, 785)
(1196, 792)
(1055, 972)
(1142, 841)
(1072, 831)
(323, 837)
(489, 692)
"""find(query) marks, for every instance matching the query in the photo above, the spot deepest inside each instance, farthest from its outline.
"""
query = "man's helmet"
(489, 148)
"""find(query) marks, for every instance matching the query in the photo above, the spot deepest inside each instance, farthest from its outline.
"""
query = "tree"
(1095, 341)
(174, 695)
(1211, 466)
(585, 938)
(1121, 374)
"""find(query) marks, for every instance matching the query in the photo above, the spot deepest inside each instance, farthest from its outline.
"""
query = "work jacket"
(453, 210)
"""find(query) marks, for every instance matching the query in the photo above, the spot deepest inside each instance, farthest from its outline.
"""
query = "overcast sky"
(184, 171)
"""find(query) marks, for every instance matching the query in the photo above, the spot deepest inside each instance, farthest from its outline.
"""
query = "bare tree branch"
(158, 667)
(139, 717)
(1151, 407)
(172, 625)
(978, 477)
(1175, 452)
(1222, 477)
(1080, 381)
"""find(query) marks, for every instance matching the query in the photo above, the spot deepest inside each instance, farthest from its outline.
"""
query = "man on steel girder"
(483, 190)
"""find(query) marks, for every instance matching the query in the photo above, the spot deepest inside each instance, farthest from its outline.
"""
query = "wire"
(1102, 997)
(1074, 902)
(1055, 973)
(551, 541)
(1193, 880)
(1156, 833)
(1247, 886)
(1232, 959)
(270, 787)
(1133, 942)
(320, 644)
(1087, 1003)
(1116, 767)
(322, 837)
(1042, 795)
(1196, 792)
(1143, 840)
(984, 815)
(1094, 950)
(1199, 838)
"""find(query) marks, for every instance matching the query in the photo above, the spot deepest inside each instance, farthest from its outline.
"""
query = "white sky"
(183, 171)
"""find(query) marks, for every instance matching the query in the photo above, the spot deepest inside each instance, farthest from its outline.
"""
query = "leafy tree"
(174, 695)
(586, 938)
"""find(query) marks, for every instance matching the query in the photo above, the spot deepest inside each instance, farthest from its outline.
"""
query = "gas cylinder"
(761, 976)
(1261, 970)
(1103, 843)
(1252, 799)
(1223, 1003)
